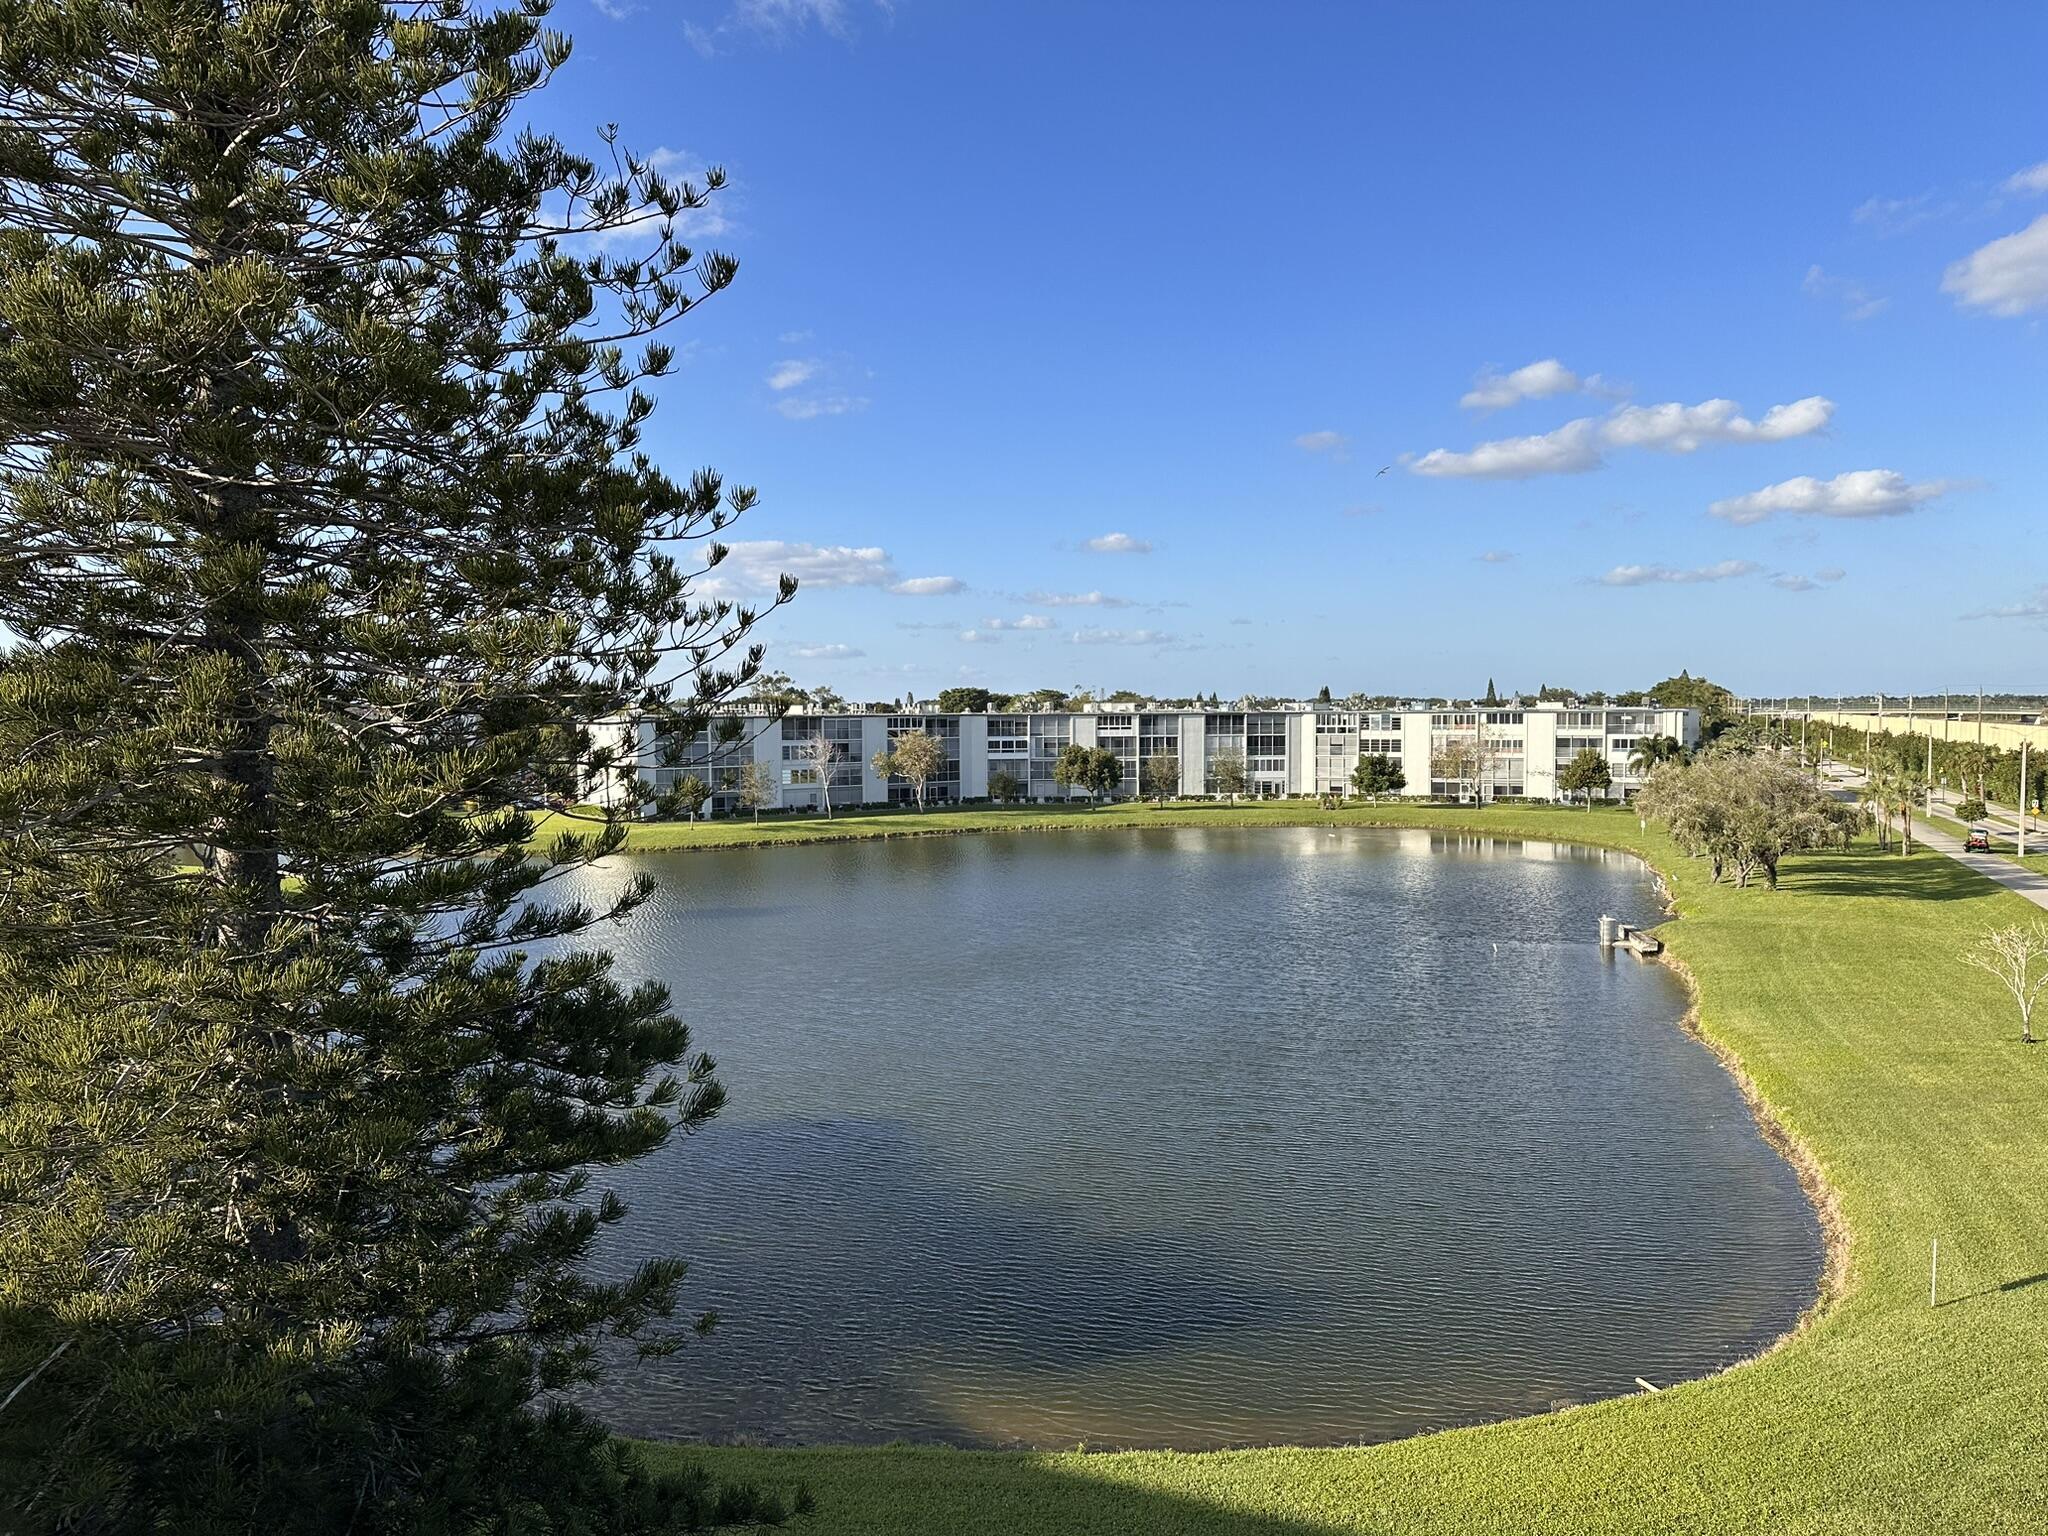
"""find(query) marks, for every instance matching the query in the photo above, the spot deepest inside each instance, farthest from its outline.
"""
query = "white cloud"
(2033, 179)
(1896, 215)
(1856, 493)
(752, 567)
(1676, 428)
(1569, 450)
(1858, 303)
(1493, 391)
(2008, 277)
(928, 586)
(1325, 441)
(2035, 607)
(829, 386)
(795, 338)
(1496, 557)
(977, 637)
(614, 10)
(793, 371)
(809, 407)
(1027, 622)
(1120, 544)
(1122, 637)
(1648, 575)
(1575, 447)
(1076, 600)
(1792, 581)
(773, 21)
(826, 652)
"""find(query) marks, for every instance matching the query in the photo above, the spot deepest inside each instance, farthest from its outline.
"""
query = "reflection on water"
(1187, 1138)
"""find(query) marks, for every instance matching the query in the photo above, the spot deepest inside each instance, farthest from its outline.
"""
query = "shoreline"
(1831, 1283)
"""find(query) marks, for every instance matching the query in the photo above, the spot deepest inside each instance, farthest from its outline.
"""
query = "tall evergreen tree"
(325, 531)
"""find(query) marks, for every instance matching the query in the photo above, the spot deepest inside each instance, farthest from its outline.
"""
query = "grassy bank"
(1605, 825)
(1896, 1066)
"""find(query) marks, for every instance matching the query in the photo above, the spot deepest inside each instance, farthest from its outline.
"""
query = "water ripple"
(1188, 1138)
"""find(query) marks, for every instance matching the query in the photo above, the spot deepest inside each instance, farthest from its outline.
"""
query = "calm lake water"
(1190, 1139)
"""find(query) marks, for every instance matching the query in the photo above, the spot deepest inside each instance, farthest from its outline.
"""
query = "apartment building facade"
(1473, 753)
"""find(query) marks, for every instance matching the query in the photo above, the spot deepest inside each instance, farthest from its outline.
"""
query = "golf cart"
(1979, 841)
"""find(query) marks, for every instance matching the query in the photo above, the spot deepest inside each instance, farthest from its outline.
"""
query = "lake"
(1187, 1138)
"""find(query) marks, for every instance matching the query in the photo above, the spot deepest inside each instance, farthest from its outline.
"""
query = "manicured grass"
(1894, 1064)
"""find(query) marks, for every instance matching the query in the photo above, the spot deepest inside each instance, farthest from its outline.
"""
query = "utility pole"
(2023, 798)
(1930, 773)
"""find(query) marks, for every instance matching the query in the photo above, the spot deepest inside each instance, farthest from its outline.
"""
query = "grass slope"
(1895, 1065)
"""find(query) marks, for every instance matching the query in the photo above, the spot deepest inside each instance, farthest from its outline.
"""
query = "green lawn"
(1894, 1064)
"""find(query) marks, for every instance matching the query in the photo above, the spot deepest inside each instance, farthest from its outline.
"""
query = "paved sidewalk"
(1992, 866)
(2029, 883)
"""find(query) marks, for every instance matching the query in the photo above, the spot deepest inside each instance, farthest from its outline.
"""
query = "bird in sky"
(1383, 469)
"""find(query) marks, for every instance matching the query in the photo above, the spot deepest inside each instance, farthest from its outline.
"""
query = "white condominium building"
(1467, 753)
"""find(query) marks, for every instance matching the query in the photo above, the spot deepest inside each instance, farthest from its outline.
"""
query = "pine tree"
(325, 532)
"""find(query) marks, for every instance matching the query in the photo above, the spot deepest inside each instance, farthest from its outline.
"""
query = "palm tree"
(1652, 750)
(1906, 786)
(1876, 797)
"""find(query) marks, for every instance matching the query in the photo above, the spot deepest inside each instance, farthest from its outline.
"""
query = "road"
(2018, 878)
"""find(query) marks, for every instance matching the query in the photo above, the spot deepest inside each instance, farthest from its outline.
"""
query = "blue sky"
(1070, 340)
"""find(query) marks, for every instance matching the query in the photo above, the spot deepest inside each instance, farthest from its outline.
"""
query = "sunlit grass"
(1845, 1000)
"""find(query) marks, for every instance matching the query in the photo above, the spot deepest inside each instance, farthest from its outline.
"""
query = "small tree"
(1464, 761)
(1971, 809)
(917, 759)
(1070, 768)
(819, 756)
(1584, 774)
(1227, 773)
(691, 792)
(2018, 957)
(1005, 786)
(1162, 775)
(1378, 774)
(1105, 772)
(756, 787)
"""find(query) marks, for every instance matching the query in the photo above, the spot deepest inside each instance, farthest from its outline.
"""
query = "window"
(1009, 736)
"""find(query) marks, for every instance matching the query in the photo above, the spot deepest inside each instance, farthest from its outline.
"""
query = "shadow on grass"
(1994, 1290)
(1923, 875)
(896, 1491)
